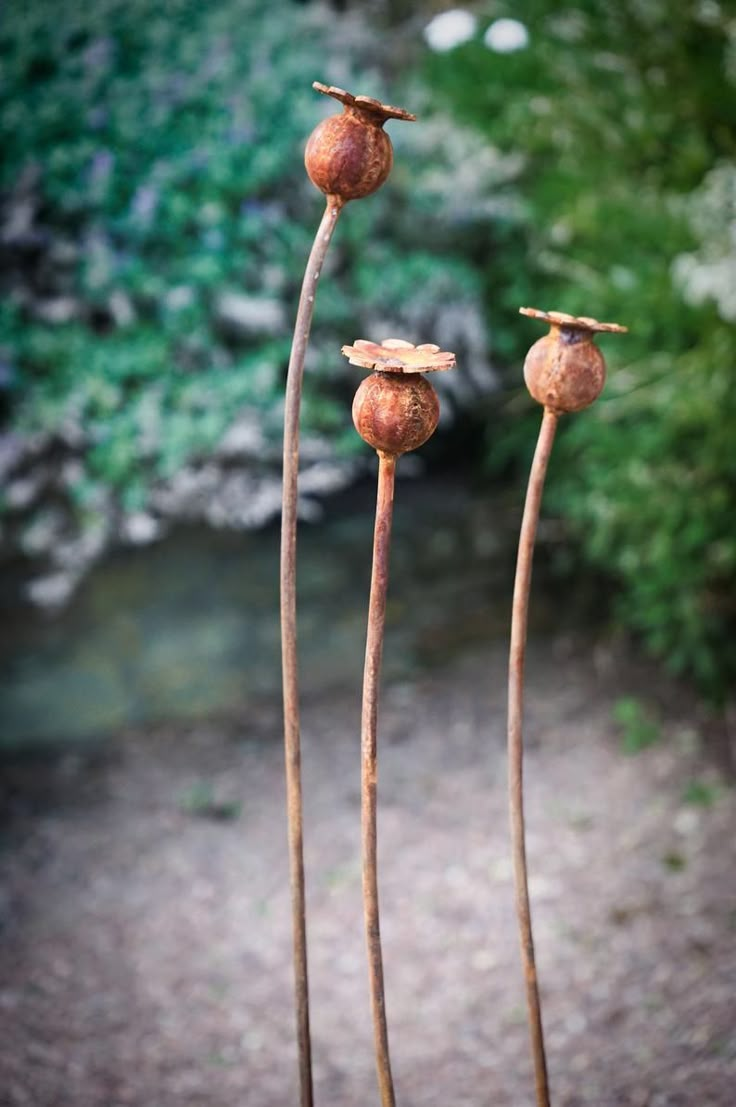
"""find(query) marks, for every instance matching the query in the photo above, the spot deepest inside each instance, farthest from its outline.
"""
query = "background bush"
(621, 112)
(152, 168)
(157, 220)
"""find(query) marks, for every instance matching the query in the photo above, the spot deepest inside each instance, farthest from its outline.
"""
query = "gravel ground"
(146, 930)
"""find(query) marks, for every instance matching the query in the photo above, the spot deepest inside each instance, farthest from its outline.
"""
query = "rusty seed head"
(565, 370)
(395, 414)
(396, 409)
(394, 355)
(350, 155)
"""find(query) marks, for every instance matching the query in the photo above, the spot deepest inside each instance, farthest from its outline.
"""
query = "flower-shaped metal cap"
(576, 322)
(394, 355)
(367, 104)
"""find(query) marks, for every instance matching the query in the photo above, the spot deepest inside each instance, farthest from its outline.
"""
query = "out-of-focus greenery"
(626, 117)
(138, 132)
(152, 163)
(638, 729)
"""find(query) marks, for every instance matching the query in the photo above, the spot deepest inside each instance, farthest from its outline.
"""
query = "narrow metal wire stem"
(290, 679)
(519, 616)
(369, 770)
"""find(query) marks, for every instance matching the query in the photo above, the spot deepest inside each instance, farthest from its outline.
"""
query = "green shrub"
(152, 165)
(620, 113)
(150, 142)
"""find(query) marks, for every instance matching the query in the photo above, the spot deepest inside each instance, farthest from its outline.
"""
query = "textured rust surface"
(565, 371)
(369, 771)
(355, 155)
(365, 103)
(350, 155)
(576, 322)
(519, 618)
(394, 355)
(395, 413)
(289, 668)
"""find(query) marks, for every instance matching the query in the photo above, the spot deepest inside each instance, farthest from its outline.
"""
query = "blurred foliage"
(638, 728)
(152, 166)
(621, 112)
(201, 799)
(700, 793)
(135, 133)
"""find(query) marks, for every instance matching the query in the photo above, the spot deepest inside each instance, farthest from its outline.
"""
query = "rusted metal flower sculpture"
(395, 410)
(565, 372)
(393, 355)
(348, 156)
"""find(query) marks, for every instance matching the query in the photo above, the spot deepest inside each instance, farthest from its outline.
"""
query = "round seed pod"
(394, 412)
(350, 155)
(565, 370)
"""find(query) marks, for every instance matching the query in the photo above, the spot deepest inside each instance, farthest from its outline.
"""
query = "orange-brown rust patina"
(564, 372)
(395, 414)
(395, 410)
(345, 162)
(350, 155)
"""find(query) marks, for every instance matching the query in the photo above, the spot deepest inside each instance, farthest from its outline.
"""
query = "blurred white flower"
(179, 297)
(450, 29)
(709, 272)
(469, 179)
(140, 528)
(506, 35)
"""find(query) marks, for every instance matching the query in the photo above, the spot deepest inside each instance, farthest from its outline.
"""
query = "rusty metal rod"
(369, 768)
(290, 678)
(519, 616)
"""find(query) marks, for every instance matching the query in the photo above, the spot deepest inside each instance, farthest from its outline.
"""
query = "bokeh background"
(155, 219)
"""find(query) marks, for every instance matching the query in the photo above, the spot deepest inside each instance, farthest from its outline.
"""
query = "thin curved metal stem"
(519, 616)
(290, 680)
(369, 771)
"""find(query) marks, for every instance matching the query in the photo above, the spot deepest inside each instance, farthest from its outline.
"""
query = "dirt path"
(145, 957)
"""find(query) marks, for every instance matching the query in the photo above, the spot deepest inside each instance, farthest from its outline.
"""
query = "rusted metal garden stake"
(565, 372)
(347, 156)
(395, 410)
